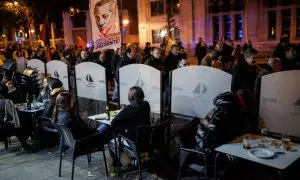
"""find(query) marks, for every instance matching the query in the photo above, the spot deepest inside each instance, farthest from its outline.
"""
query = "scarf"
(56, 90)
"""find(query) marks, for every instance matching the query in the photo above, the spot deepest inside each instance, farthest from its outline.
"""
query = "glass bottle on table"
(286, 141)
(33, 102)
(107, 112)
(28, 104)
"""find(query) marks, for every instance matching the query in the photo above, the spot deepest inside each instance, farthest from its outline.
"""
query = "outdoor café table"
(281, 162)
(34, 112)
(102, 118)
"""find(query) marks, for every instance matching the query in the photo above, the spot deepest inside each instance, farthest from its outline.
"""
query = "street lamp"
(125, 22)
(71, 11)
(16, 3)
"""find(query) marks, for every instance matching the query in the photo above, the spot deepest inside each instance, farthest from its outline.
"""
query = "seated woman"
(44, 94)
(64, 115)
(9, 119)
(137, 113)
(55, 87)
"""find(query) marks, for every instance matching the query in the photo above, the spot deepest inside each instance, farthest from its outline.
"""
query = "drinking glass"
(286, 141)
(263, 140)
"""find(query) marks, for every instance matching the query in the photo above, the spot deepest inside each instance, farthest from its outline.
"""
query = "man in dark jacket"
(54, 54)
(172, 60)
(155, 59)
(128, 58)
(245, 72)
(116, 60)
(292, 58)
(146, 51)
(279, 52)
(273, 65)
(201, 50)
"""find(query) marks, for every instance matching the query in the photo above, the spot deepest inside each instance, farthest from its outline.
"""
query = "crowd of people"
(58, 103)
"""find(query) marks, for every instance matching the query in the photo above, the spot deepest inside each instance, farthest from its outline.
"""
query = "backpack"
(220, 125)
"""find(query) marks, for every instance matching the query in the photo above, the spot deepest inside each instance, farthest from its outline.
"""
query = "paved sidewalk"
(43, 165)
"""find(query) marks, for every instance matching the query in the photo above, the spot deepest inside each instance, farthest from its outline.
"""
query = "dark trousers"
(7, 130)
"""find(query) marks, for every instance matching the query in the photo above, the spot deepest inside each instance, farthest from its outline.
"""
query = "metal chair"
(79, 147)
(188, 153)
(150, 139)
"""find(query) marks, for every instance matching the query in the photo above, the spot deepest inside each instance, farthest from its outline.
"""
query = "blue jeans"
(103, 128)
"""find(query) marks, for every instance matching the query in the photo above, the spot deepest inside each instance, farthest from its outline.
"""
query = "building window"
(157, 7)
(298, 23)
(238, 27)
(238, 5)
(270, 3)
(216, 34)
(226, 5)
(286, 22)
(176, 6)
(214, 6)
(227, 27)
(156, 36)
(285, 2)
(272, 24)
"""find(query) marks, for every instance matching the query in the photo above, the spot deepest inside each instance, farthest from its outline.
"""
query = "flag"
(80, 42)
(45, 37)
(105, 30)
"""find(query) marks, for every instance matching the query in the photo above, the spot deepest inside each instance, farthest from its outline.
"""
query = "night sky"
(54, 9)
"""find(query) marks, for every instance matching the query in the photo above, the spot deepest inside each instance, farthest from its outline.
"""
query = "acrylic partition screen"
(59, 70)
(91, 81)
(279, 107)
(91, 89)
(144, 76)
(195, 87)
(38, 65)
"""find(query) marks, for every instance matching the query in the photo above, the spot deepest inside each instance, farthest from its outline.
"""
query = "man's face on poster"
(104, 17)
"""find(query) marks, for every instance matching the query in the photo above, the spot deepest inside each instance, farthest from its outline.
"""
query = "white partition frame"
(58, 69)
(279, 102)
(91, 81)
(193, 89)
(146, 77)
(38, 65)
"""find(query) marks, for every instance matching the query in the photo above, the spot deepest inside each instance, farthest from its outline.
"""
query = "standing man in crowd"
(171, 62)
(155, 60)
(292, 58)
(128, 58)
(279, 52)
(201, 50)
(244, 72)
(146, 52)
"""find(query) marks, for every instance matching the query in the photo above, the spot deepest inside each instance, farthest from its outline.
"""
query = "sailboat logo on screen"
(139, 83)
(56, 74)
(90, 81)
(89, 78)
(200, 89)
